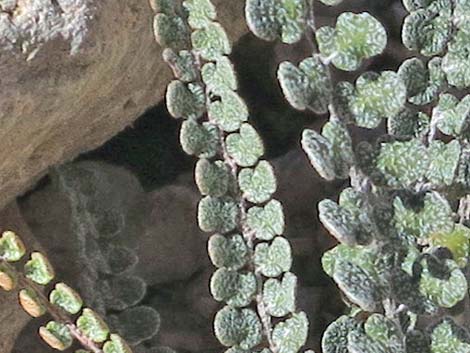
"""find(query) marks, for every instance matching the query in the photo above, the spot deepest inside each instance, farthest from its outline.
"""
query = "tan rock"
(73, 73)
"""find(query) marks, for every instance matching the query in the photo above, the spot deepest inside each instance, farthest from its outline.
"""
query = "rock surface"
(161, 225)
(172, 248)
(73, 73)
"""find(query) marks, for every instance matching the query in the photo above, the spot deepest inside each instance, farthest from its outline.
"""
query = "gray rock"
(160, 226)
(171, 246)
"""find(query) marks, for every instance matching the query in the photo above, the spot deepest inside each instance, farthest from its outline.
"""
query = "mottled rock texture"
(73, 73)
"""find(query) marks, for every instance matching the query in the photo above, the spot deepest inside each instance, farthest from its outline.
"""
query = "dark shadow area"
(149, 148)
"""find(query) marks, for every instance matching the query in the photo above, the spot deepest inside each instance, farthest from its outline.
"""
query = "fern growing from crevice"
(70, 320)
(252, 258)
(403, 224)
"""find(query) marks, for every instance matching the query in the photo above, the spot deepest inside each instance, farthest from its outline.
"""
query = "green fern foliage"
(307, 86)
(116, 345)
(279, 296)
(238, 327)
(448, 333)
(266, 221)
(277, 19)
(66, 298)
(428, 27)
(57, 335)
(453, 115)
(70, 320)
(423, 83)
(376, 96)
(228, 252)
(330, 152)
(253, 260)
(455, 62)
(356, 37)
(38, 269)
(11, 247)
(402, 223)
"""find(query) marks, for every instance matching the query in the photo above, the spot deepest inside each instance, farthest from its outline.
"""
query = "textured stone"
(73, 73)
(171, 247)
